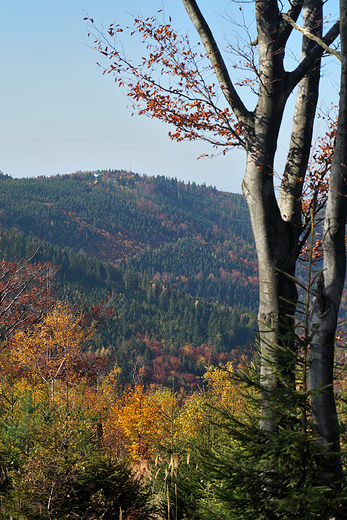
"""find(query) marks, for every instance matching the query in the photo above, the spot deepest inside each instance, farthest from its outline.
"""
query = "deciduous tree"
(327, 299)
(52, 349)
(172, 85)
(25, 294)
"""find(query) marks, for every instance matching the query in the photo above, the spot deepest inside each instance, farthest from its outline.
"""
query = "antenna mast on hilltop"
(129, 165)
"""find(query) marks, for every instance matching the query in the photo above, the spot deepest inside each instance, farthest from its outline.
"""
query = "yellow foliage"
(109, 385)
(223, 389)
(156, 417)
(192, 415)
(139, 415)
(52, 349)
(103, 403)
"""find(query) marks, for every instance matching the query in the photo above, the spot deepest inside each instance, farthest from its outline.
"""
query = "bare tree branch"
(313, 37)
(312, 56)
(286, 28)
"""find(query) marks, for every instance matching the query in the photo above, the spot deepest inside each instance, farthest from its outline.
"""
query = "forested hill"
(178, 258)
(194, 237)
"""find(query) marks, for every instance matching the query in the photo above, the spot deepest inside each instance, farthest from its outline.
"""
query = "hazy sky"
(59, 114)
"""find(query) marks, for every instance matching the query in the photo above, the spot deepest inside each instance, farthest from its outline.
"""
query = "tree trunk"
(276, 231)
(277, 235)
(304, 114)
(276, 251)
(325, 305)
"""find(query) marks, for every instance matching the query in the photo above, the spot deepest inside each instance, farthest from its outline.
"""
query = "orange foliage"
(152, 418)
(139, 417)
(181, 95)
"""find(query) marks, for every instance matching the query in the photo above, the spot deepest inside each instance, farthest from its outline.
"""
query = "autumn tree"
(25, 294)
(172, 85)
(52, 350)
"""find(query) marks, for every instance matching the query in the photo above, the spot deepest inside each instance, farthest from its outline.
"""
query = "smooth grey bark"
(325, 306)
(276, 238)
(277, 225)
(300, 142)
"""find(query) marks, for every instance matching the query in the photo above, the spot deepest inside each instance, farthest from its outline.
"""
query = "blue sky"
(59, 114)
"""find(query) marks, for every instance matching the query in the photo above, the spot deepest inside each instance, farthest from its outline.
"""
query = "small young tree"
(52, 350)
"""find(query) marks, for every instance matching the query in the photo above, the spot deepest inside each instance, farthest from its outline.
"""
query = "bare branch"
(313, 37)
(312, 56)
(304, 114)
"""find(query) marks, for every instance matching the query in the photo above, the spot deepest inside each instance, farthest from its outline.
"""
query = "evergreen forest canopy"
(178, 259)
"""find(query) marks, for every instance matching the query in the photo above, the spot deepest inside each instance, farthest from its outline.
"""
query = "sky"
(59, 114)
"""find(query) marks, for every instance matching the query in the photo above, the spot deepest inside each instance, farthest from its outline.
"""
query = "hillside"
(190, 235)
(178, 258)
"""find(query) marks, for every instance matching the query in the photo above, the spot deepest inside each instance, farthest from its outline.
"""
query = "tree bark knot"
(269, 320)
(321, 304)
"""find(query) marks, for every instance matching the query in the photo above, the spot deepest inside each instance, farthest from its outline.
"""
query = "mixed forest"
(127, 309)
(121, 298)
(177, 261)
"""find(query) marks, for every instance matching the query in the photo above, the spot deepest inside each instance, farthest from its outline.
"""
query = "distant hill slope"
(178, 258)
(185, 234)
